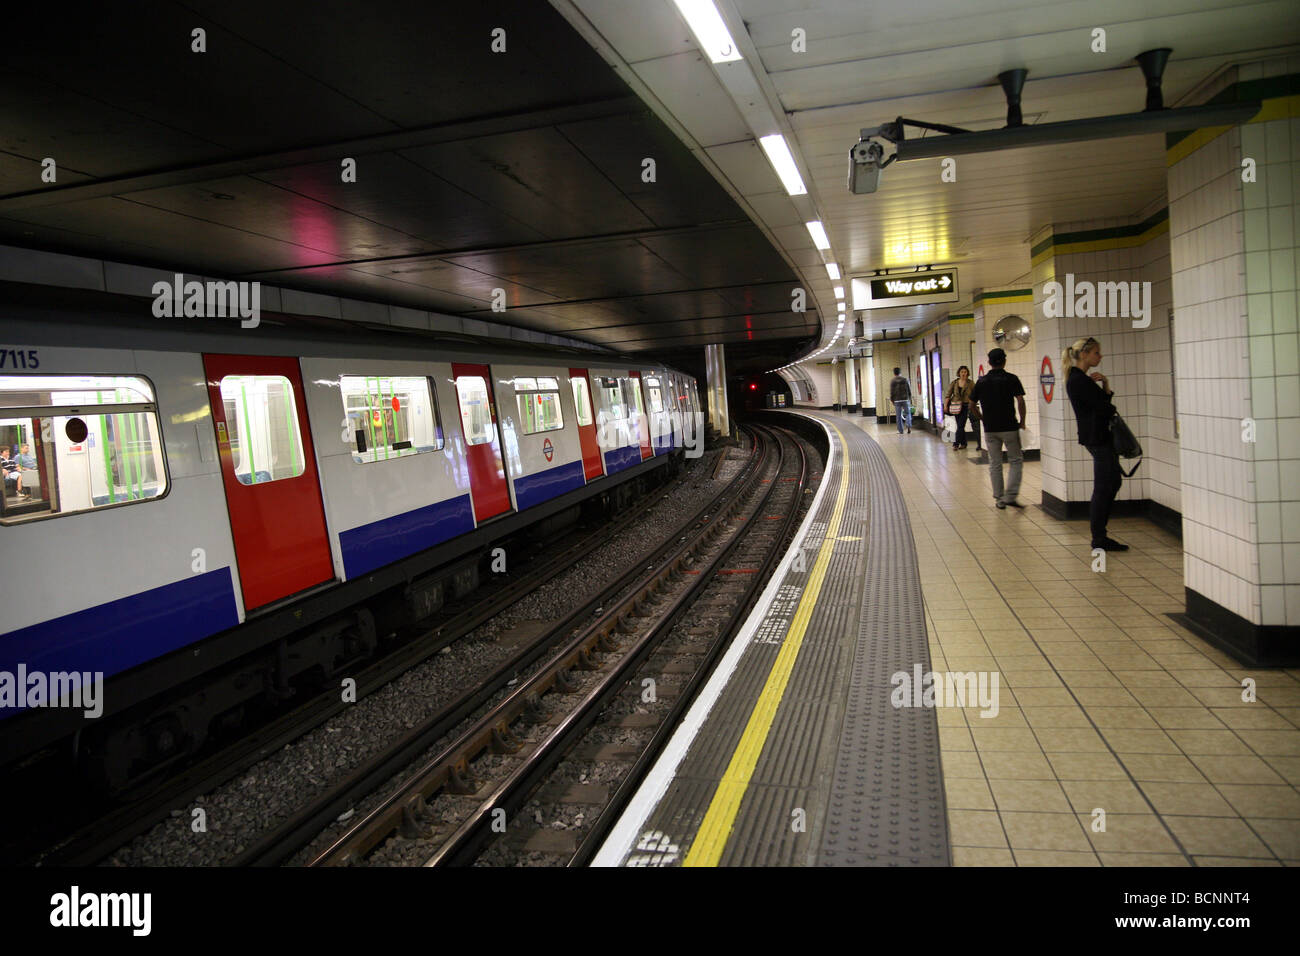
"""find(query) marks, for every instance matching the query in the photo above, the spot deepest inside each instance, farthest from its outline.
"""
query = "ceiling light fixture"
(818, 233)
(779, 155)
(832, 270)
(710, 32)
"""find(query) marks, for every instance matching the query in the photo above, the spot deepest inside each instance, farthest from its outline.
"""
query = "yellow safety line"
(714, 832)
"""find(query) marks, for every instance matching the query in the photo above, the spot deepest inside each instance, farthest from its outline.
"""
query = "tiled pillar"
(992, 305)
(1234, 258)
(851, 380)
(1135, 355)
(715, 363)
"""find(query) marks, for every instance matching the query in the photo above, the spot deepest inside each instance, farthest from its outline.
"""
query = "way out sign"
(1047, 379)
(905, 288)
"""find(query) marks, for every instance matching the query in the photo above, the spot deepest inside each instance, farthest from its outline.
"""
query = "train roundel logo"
(548, 449)
(981, 371)
(397, 404)
(1047, 379)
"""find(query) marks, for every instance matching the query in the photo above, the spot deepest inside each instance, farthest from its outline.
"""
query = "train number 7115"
(17, 358)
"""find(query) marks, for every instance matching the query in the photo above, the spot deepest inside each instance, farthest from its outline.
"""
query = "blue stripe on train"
(534, 489)
(119, 635)
(382, 542)
(619, 458)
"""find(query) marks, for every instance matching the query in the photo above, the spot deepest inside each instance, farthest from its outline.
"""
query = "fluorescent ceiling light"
(832, 270)
(839, 292)
(778, 154)
(841, 305)
(818, 234)
(710, 32)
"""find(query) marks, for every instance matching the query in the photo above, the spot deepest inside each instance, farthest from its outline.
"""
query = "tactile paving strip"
(843, 777)
(887, 803)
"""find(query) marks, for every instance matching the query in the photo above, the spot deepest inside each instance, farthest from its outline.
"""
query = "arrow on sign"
(945, 282)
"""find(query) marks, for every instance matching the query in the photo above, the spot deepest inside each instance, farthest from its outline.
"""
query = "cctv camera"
(864, 167)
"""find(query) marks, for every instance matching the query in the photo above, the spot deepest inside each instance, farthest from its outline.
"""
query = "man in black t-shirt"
(995, 393)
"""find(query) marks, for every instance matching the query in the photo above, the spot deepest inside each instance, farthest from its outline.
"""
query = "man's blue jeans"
(903, 410)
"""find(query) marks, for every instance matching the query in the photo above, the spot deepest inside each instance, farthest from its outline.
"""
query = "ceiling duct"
(1154, 119)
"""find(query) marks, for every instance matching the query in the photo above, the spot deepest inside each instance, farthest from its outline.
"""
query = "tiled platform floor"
(1105, 703)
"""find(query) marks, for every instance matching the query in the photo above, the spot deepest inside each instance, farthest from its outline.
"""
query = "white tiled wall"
(1135, 361)
(1234, 254)
(1272, 261)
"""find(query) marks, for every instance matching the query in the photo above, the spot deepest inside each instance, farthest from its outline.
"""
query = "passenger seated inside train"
(13, 474)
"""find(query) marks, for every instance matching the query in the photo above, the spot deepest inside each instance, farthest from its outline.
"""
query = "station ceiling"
(475, 170)
(866, 62)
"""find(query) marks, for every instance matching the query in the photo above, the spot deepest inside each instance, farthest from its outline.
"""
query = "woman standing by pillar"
(957, 402)
(1091, 395)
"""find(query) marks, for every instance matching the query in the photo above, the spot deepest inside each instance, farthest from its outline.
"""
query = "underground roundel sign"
(548, 449)
(1047, 379)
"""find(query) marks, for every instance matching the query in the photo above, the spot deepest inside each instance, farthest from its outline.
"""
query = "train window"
(538, 401)
(613, 392)
(654, 393)
(390, 416)
(475, 409)
(72, 443)
(581, 400)
(262, 428)
(631, 385)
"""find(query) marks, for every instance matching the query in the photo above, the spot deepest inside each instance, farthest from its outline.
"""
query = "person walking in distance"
(958, 398)
(996, 393)
(900, 393)
(1090, 394)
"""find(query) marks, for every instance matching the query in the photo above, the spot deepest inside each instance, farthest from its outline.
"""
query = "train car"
(209, 520)
(616, 420)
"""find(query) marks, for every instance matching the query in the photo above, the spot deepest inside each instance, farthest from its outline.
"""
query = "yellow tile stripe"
(1275, 108)
(714, 832)
(1102, 245)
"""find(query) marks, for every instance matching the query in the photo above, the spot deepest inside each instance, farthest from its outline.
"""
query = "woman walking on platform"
(957, 402)
(1091, 395)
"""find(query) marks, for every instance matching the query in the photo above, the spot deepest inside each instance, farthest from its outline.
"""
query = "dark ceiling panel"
(240, 95)
(540, 177)
(124, 230)
(349, 281)
(439, 274)
(419, 63)
(618, 148)
(594, 270)
(407, 197)
(723, 257)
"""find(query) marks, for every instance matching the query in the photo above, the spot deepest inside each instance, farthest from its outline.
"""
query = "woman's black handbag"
(1125, 443)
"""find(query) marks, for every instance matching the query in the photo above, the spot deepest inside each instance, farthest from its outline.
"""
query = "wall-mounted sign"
(1047, 379)
(905, 288)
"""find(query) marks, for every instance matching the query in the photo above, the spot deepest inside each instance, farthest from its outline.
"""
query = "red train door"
(586, 412)
(268, 468)
(642, 419)
(478, 423)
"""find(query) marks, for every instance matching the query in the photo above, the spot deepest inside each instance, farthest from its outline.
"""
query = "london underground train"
(198, 519)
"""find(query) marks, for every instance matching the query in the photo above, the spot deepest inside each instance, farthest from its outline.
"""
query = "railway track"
(665, 633)
(93, 836)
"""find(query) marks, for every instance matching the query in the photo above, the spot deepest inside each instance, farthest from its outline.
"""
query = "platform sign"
(905, 288)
